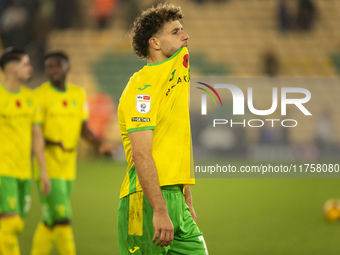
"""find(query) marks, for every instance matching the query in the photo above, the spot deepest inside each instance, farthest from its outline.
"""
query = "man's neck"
(59, 85)
(12, 84)
(156, 57)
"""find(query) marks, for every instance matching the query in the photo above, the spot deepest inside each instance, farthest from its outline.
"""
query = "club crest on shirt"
(143, 103)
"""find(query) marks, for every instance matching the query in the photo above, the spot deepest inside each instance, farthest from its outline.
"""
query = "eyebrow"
(176, 29)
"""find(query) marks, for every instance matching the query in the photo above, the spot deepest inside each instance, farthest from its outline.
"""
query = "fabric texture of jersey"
(63, 113)
(156, 98)
(18, 112)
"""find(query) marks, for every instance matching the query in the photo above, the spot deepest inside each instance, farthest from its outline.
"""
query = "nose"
(54, 69)
(186, 36)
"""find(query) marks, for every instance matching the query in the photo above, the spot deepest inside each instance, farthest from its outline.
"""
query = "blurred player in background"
(64, 114)
(20, 120)
(155, 214)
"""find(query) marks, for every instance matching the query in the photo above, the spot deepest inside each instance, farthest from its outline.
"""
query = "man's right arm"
(141, 146)
(38, 148)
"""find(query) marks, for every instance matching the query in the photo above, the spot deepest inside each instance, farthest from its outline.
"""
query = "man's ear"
(67, 64)
(10, 67)
(154, 43)
(68, 68)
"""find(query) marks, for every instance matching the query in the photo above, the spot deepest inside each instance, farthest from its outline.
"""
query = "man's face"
(23, 69)
(172, 38)
(56, 68)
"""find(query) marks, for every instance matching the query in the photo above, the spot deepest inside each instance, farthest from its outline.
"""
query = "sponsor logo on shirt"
(145, 86)
(138, 119)
(143, 103)
(179, 80)
(134, 249)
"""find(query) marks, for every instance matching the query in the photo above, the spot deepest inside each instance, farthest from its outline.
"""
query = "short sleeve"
(139, 111)
(85, 110)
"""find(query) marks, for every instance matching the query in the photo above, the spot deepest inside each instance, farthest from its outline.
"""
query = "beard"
(171, 52)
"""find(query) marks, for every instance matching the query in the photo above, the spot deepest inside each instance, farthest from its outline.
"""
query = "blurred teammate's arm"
(188, 201)
(38, 149)
(141, 145)
(87, 134)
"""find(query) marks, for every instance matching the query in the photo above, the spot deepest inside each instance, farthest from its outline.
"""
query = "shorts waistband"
(173, 187)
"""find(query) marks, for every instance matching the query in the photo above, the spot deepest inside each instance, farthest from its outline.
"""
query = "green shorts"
(135, 226)
(15, 195)
(56, 206)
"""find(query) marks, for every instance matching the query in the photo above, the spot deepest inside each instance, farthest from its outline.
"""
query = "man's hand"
(107, 148)
(45, 184)
(104, 147)
(61, 145)
(164, 229)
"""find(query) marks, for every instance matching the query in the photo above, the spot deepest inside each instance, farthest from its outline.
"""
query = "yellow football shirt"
(156, 98)
(18, 113)
(63, 113)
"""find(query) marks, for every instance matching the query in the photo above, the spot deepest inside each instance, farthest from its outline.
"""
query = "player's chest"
(176, 83)
(16, 108)
(63, 107)
(174, 96)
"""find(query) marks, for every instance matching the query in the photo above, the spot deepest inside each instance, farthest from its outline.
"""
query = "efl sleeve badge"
(143, 103)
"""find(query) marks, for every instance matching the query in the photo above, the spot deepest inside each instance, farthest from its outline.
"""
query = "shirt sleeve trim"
(140, 129)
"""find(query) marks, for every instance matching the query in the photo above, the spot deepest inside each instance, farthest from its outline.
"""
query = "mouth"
(56, 76)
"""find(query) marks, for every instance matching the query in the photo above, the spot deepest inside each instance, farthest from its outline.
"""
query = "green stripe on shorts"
(135, 225)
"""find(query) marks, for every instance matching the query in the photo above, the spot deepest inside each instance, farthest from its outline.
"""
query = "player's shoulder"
(75, 88)
(137, 83)
(43, 87)
(139, 77)
(76, 92)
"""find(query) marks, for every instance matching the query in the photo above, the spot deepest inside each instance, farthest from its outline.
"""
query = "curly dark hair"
(149, 23)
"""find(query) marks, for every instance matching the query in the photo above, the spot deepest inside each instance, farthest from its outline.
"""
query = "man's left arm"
(188, 201)
(103, 147)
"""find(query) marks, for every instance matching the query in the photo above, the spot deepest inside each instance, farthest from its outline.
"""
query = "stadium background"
(235, 39)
